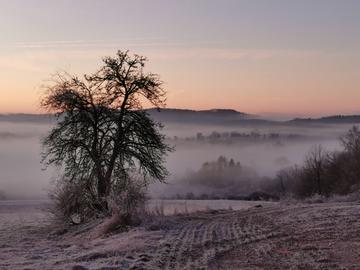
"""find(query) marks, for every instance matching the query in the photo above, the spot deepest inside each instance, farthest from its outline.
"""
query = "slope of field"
(317, 236)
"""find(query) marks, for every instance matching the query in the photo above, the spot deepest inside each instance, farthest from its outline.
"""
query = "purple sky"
(298, 57)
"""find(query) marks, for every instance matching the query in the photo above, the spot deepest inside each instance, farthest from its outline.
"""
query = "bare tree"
(351, 141)
(103, 134)
(314, 169)
(326, 173)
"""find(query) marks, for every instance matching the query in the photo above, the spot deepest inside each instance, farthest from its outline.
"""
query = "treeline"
(225, 179)
(228, 137)
(325, 173)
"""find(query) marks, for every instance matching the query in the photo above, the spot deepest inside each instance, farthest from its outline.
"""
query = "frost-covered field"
(274, 236)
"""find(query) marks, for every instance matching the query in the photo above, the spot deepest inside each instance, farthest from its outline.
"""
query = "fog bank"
(21, 173)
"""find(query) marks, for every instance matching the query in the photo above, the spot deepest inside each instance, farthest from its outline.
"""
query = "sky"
(257, 56)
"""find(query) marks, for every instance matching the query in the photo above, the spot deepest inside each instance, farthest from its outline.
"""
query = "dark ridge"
(212, 112)
(23, 117)
(213, 116)
(335, 119)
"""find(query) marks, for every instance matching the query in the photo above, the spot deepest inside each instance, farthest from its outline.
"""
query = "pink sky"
(301, 58)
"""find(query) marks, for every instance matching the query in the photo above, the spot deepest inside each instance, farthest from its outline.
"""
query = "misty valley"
(180, 135)
(249, 150)
(235, 182)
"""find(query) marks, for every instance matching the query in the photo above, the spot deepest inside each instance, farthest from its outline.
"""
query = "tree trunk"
(103, 193)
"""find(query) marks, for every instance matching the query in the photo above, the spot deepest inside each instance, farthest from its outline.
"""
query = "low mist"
(260, 158)
(22, 175)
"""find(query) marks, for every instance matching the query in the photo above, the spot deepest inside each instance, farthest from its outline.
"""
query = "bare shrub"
(128, 200)
(126, 211)
(70, 206)
(351, 143)
(313, 176)
(326, 174)
(286, 181)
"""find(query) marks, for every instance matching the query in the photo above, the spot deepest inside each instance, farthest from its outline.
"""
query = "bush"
(287, 180)
(325, 173)
(72, 205)
(128, 200)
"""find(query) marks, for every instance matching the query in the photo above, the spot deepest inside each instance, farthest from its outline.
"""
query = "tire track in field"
(306, 237)
(319, 237)
(199, 242)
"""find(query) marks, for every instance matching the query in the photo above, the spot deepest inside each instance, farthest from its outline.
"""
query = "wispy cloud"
(45, 56)
(234, 54)
(80, 43)
(161, 48)
(133, 42)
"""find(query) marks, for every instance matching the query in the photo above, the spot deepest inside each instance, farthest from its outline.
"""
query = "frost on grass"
(274, 236)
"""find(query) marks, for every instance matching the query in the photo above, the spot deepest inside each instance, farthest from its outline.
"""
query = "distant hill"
(335, 119)
(213, 116)
(22, 117)
(227, 117)
(166, 116)
(163, 115)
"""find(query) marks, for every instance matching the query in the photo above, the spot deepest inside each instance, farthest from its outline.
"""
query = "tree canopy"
(103, 135)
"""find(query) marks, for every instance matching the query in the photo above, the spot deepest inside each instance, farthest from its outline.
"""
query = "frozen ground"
(275, 236)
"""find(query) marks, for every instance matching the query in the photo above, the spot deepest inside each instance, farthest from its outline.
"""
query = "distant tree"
(103, 135)
(200, 136)
(325, 173)
(338, 175)
(314, 171)
(231, 163)
(189, 196)
(287, 180)
(282, 177)
(222, 176)
(351, 143)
